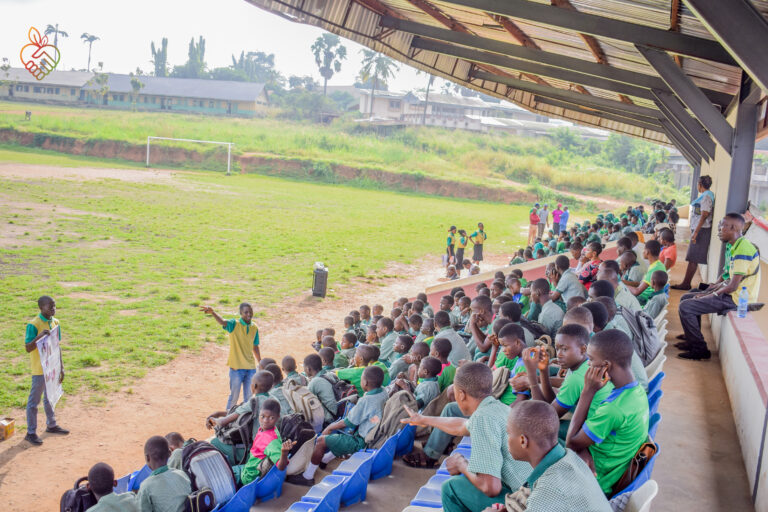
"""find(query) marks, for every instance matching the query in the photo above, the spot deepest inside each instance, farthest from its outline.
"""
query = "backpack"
(294, 428)
(500, 381)
(240, 431)
(77, 499)
(393, 412)
(341, 390)
(200, 501)
(303, 401)
(535, 328)
(644, 334)
(207, 469)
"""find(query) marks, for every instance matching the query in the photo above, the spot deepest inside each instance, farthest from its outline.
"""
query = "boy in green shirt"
(507, 354)
(441, 348)
(658, 300)
(480, 326)
(347, 352)
(551, 315)
(385, 330)
(321, 385)
(611, 436)
(644, 290)
(164, 490)
(101, 482)
(267, 444)
(277, 389)
(365, 355)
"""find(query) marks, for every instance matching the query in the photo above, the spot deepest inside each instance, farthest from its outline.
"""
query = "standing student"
(533, 223)
(543, 220)
(701, 231)
(449, 245)
(557, 213)
(564, 219)
(38, 328)
(461, 244)
(244, 350)
(478, 238)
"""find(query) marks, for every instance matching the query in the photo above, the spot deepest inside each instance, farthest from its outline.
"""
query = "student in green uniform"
(385, 330)
(101, 482)
(491, 472)
(480, 326)
(37, 328)
(365, 315)
(244, 350)
(289, 369)
(560, 480)
(427, 388)
(461, 244)
(415, 322)
(347, 352)
(611, 436)
(551, 315)
(176, 444)
(277, 388)
(478, 238)
(631, 270)
(621, 294)
(267, 444)
(164, 490)
(403, 347)
(644, 291)
(449, 246)
(363, 417)
(507, 354)
(321, 385)
(365, 355)
(569, 285)
(658, 300)
(326, 357)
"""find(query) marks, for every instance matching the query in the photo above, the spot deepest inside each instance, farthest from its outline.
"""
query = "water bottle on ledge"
(741, 310)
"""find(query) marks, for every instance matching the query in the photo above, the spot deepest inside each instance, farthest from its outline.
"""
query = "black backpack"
(295, 428)
(240, 431)
(207, 468)
(535, 328)
(341, 390)
(200, 501)
(77, 499)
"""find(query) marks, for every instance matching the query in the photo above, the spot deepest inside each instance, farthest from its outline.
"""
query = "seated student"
(600, 319)
(574, 302)
(631, 271)
(164, 490)
(101, 482)
(176, 444)
(590, 263)
(621, 294)
(371, 338)
(638, 249)
(427, 308)
(551, 315)
(517, 258)
(512, 312)
(349, 324)
(427, 333)
(396, 312)
(267, 444)
(417, 308)
(528, 254)
(316, 345)
(363, 417)
(385, 330)
(507, 354)
(459, 348)
(451, 274)
(365, 355)
(464, 310)
(491, 471)
(560, 480)
(480, 326)
(668, 254)
(403, 345)
(497, 288)
(658, 300)
(415, 323)
(440, 350)
(342, 358)
(446, 304)
(610, 437)
(571, 345)
(576, 253)
(568, 285)
(365, 314)
(427, 388)
(643, 291)
(277, 389)
(401, 325)
(409, 363)
(327, 357)
(289, 368)
(516, 290)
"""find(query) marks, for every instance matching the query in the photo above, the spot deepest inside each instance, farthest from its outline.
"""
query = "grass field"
(490, 159)
(128, 262)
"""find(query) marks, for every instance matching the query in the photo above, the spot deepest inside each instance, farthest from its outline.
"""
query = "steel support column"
(695, 182)
(743, 148)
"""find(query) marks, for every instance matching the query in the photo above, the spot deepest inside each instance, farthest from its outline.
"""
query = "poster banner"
(50, 359)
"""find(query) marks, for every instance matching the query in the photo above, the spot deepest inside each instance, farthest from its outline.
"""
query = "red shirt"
(589, 273)
(669, 253)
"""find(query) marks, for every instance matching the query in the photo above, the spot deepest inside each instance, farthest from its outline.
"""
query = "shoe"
(681, 337)
(33, 439)
(300, 480)
(57, 430)
(695, 355)
(680, 287)
(684, 345)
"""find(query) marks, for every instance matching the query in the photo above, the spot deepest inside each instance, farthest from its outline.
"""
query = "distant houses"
(218, 97)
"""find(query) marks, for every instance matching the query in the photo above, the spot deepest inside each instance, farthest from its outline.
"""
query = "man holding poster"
(39, 341)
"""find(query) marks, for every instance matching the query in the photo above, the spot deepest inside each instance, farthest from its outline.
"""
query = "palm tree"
(426, 96)
(54, 29)
(328, 52)
(375, 66)
(89, 38)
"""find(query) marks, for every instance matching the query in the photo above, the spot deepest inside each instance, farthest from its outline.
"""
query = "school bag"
(341, 390)
(240, 431)
(389, 424)
(77, 499)
(207, 468)
(303, 401)
(200, 501)
(294, 428)
(535, 328)
(644, 334)
(500, 381)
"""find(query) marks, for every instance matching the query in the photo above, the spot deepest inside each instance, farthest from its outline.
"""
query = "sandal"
(419, 460)
(680, 287)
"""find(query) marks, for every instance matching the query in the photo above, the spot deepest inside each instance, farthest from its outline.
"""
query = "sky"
(126, 29)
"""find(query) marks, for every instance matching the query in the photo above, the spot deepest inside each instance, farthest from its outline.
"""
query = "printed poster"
(50, 358)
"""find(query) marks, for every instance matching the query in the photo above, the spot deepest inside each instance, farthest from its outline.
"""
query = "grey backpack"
(644, 334)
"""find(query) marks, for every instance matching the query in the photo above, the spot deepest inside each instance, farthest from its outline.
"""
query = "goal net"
(228, 144)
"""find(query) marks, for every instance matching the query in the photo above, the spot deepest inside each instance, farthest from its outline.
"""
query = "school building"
(217, 97)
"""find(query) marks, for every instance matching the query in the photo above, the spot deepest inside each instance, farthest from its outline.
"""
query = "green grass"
(489, 159)
(129, 263)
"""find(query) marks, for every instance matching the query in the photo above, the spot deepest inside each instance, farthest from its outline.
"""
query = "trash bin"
(319, 280)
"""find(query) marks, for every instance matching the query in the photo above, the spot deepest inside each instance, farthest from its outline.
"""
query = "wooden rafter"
(674, 25)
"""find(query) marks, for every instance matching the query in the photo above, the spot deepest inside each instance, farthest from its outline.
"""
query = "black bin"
(319, 282)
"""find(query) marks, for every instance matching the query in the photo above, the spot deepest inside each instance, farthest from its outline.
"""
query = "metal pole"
(229, 153)
(148, 151)
(743, 147)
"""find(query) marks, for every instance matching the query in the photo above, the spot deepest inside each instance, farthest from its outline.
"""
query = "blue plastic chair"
(382, 458)
(643, 476)
(466, 442)
(268, 487)
(653, 425)
(465, 451)
(436, 482)
(405, 440)
(655, 383)
(356, 471)
(653, 402)
(322, 497)
(123, 485)
(428, 497)
(137, 477)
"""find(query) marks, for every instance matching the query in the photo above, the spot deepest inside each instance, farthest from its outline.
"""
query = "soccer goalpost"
(228, 144)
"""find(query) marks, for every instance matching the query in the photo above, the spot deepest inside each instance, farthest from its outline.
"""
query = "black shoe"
(33, 439)
(680, 287)
(695, 355)
(300, 480)
(684, 345)
(57, 430)
(681, 337)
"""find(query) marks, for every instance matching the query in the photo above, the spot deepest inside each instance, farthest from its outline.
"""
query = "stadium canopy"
(668, 71)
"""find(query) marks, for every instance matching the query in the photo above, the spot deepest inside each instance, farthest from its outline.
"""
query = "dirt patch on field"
(99, 297)
(179, 395)
(16, 170)
(74, 284)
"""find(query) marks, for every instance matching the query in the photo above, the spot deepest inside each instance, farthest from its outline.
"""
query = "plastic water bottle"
(741, 311)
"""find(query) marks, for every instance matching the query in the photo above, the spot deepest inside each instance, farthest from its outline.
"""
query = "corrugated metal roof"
(226, 90)
(56, 77)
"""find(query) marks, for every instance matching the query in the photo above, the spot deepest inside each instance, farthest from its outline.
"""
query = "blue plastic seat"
(643, 476)
(356, 471)
(382, 458)
(123, 485)
(268, 487)
(655, 383)
(653, 425)
(428, 497)
(466, 442)
(463, 450)
(653, 402)
(436, 482)
(405, 440)
(324, 496)
(137, 477)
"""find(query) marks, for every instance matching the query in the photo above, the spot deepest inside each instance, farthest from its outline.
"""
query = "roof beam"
(566, 95)
(692, 158)
(690, 95)
(610, 73)
(741, 29)
(623, 117)
(608, 109)
(611, 28)
(684, 122)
